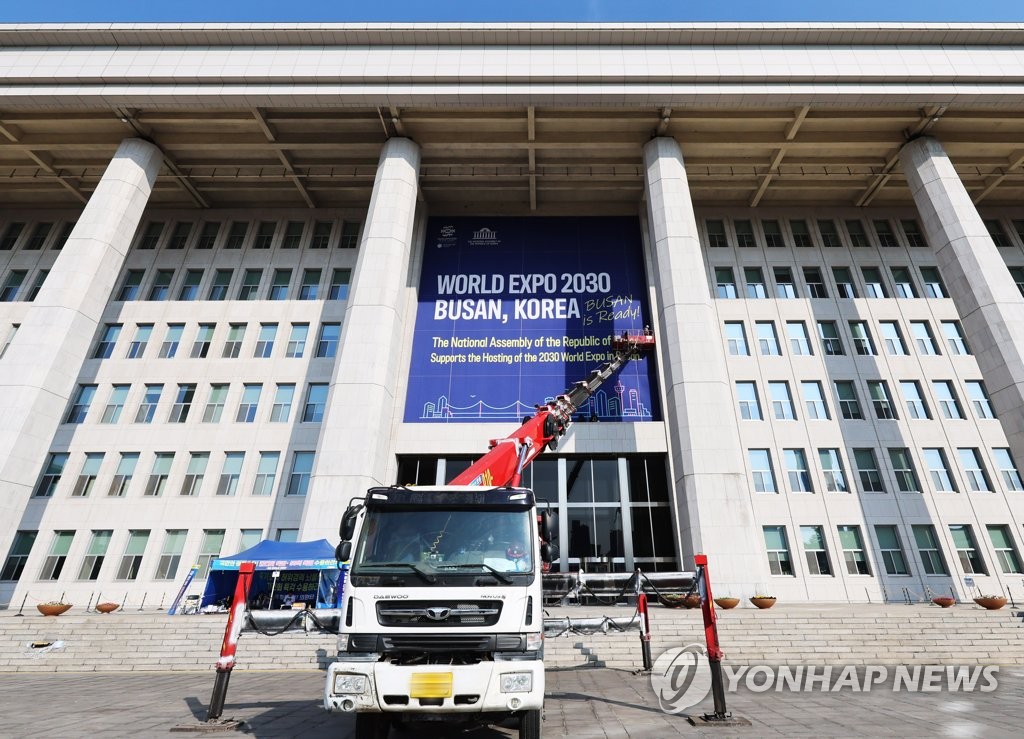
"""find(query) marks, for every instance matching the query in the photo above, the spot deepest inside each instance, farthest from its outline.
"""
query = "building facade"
(217, 246)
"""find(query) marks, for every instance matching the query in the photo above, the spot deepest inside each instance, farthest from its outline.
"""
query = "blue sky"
(53, 11)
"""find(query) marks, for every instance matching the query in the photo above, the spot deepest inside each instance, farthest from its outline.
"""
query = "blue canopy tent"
(308, 573)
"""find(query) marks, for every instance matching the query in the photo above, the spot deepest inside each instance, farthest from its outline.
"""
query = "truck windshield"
(446, 540)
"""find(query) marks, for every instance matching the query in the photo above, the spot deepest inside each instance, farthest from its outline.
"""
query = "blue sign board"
(512, 311)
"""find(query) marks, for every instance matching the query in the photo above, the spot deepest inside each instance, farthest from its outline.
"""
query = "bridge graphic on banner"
(603, 405)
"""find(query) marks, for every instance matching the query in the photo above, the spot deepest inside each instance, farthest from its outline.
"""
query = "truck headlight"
(534, 641)
(349, 684)
(516, 682)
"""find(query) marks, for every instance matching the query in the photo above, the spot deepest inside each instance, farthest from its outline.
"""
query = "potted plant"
(944, 601)
(107, 607)
(673, 600)
(691, 601)
(991, 602)
(53, 608)
(726, 602)
(763, 601)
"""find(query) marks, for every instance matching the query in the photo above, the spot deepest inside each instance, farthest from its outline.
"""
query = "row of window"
(202, 341)
(246, 411)
(869, 475)
(816, 407)
(160, 473)
(786, 286)
(890, 550)
(859, 336)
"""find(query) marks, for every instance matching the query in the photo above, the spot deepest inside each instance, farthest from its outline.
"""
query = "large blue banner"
(514, 310)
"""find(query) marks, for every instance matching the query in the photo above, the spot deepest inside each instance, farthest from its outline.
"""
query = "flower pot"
(53, 609)
(107, 607)
(944, 601)
(991, 603)
(727, 603)
(762, 602)
(691, 601)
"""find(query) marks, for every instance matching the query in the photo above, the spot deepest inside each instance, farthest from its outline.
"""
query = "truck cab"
(442, 614)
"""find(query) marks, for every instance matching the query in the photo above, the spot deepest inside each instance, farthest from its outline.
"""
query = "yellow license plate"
(431, 685)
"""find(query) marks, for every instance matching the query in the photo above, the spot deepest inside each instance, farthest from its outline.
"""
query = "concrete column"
(39, 372)
(711, 484)
(990, 305)
(355, 451)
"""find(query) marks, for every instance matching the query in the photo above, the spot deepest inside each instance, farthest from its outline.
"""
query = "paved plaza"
(582, 703)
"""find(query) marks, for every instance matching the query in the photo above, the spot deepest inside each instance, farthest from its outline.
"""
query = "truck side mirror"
(545, 552)
(547, 525)
(343, 551)
(348, 523)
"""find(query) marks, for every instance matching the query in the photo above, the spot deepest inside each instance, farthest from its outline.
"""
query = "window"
(892, 551)
(948, 401)
(782, 401)
(123, 477)
(10, 337)
(773, 234)
(170, 555)
(716, 234)
(797, 472)
(134, 551)
(1018, 226)
(745, 238)
(282, 408)
(230, 473)
(998, 233)
(131, 285)
(750, 406)
(845, 287)
(799, 341)
(784, 285)
(161, 287)
(1006, 552)
(302, 468)
(867, 471)
(815, 551)
(151, 236)
(193, 481)
(967, 550)
(829, 234)
(1018, 276)
(10, 237)
(265, 341)
(37, 285)
(938, 470)
(292, 234)
(903, 466)
(322, 235)
(862, 341)
(87, 475)
(249, 403)
(209, 550)
(853, 551)
(233, 346)
(912, 231)
(955, 337)
(108, 339)
(873, 286)
(51, 475)
(172, 340)
(814, 400)
(316, 402)
(147, 408)
(858, 236)
(17, 556)
(115, 404)
(928, 547)
(204, 337)
(208, 235)
(287, 535)
(849, 405)
(215, 403)
(143, 332)
(881, 400)
(12, 284)
(280, 284)
(835, 473)
(180, 235)
(815, 283)
(327, 345)
(182, 403)
(761, 468)
(923, 338)
(266, 473)
(831, 344)
(297, 341)
(736, 338)
(933, 285)
(80, 407)
(221, 284)
(94, 555)
(903, 283)
(974, 470)
(892, 337)
(767, 339)
(349, 235)
(725, 283)
(236, 235)
(264, 235)
(801, 234)
(310, 287)
(1007, 469)
(886, 237)
(249, 538)
(916, 406)
(157, 481)
(779, 561)
(979, 399)
(190, 285)
(754, 278)
(340, 279)
(250, 287)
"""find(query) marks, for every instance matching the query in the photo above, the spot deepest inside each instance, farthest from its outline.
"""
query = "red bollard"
(707, 606)
(227, 648)
(645, 630)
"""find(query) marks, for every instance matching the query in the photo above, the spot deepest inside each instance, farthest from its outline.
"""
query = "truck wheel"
(529, 725)
(373, 726)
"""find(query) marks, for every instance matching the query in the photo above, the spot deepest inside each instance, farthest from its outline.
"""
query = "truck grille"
(438, 613)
